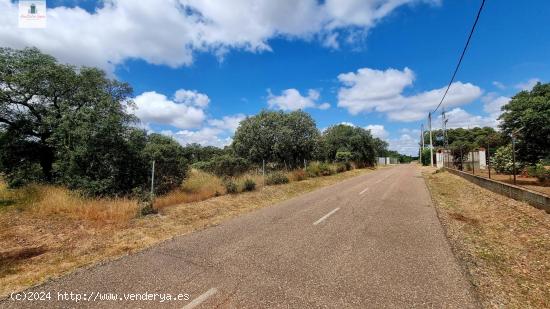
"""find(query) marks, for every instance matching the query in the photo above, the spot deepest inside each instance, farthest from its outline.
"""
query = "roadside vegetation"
(45, 235)
(75, 168)
(502, 243)
(526, 119)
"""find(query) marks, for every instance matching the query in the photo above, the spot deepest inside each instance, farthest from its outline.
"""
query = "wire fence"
(478, 163)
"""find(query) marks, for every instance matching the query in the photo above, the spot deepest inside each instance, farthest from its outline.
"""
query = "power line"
(462, 55)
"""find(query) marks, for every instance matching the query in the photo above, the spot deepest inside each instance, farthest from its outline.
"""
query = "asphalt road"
(372, 241)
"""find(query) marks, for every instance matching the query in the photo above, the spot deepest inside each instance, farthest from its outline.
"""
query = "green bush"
(539, 171)
(231, 186)
(249, 185)
(326, 169)
(276, 178)
(426, 156)
(340, 168)
(348, 166)
(224, 165)
(313, 169)
(343, 156)
(502, 161)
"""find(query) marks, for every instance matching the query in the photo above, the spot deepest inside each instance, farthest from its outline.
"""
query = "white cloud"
(528, 85)
(382, 91)
(405, 144)
(499, 85)
(207, 136)
(191, 97)
(291, 99)
(169, 32)
(153, 107)
(492, 104)
(228, 123)
(378, 130)
(459, 118)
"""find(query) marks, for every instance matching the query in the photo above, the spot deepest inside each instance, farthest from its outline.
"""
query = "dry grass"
(37, 244)
(198, 187)
(504, 244)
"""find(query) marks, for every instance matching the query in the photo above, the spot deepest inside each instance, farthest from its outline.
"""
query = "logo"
(32, 13)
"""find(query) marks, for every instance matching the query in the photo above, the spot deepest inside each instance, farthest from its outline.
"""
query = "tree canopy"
(68, 125)
(276, 136)
(528, 115)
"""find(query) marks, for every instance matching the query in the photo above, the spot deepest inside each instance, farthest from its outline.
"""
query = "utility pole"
(153, 180)
(431, 141)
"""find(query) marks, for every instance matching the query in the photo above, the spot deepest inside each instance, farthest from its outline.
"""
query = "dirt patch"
(502, 243)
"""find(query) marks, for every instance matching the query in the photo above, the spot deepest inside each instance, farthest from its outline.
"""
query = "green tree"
(528, 114)
(356, 140)
(284, 138)
(170, 163)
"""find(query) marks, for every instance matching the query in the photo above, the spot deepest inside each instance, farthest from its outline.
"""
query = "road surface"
(372, 241)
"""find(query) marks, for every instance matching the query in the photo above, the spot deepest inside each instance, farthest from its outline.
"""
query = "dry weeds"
(503, 244)
(52, 238)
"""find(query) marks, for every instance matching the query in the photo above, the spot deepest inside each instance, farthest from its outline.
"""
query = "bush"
(325, 169)
(249, 185)
(298, 175)
(348, 166)
(426, 156)
(343, 156)
(502, 161)
(231, 186)
(224, 165)
(539, 171)
(276, 178)
(340, 168)
(313, 169)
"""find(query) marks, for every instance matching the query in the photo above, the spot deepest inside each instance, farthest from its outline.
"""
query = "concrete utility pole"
(431, 142)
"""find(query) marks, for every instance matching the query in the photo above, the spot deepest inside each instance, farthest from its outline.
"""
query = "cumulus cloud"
(405, 144)
(378, 130)
(459, 118)
(382, 91)
(493, 103)
(169, 32)
(528, 85)
(191, 97)
(228, 123)
(291, 99)
(156, 108)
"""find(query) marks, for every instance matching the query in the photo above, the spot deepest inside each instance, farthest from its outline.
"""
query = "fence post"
(153, 180)
(473, 163)
(488, 161)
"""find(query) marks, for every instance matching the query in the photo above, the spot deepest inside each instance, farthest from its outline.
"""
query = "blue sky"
(199, 67)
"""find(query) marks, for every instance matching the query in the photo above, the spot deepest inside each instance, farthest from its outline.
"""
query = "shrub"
(249, 185)
(426, 156)
(340, 168)
(313, 169)
(348, 166)
(276, 178)
(224, 165)
(539, 171)
(231, 186)
(502, 161)
(325, 169)
(298, 175)
(343, 156)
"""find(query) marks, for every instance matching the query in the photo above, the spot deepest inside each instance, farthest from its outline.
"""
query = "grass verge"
(503, 244)
(47, 238)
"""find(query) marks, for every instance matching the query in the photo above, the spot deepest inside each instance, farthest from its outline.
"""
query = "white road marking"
(326, 216)
(199, 300)
(363, 191)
